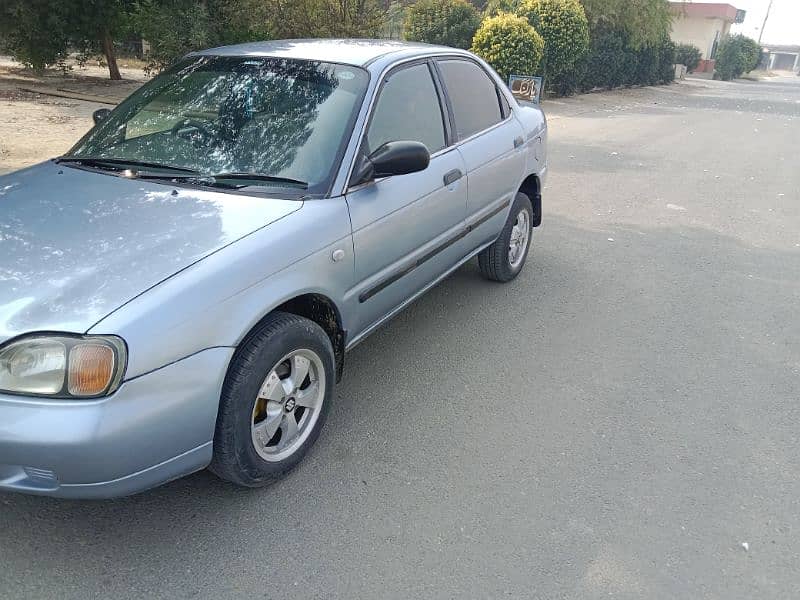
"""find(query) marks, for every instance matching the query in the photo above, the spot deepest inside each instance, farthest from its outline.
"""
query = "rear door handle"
(518, 141)
(452, 176)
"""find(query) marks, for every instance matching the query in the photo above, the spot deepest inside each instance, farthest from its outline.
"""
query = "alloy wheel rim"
(520, 238)
(288, 405)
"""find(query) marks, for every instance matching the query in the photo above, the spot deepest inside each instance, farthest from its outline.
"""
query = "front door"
(406, 228)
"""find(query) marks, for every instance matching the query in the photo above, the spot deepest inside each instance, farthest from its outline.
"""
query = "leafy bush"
(495, 7)
(173, 28)
(667, 52)
(446, 22)
(565, 30)
(689, 55)
(655, 63)
(605, 63)
(737, 55)
(395, 21)
(509, 44)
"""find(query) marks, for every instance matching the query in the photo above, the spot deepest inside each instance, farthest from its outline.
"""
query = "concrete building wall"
(700, 31)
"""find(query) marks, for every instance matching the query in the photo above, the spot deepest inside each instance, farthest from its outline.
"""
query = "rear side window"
(408, 108)
(476, 104)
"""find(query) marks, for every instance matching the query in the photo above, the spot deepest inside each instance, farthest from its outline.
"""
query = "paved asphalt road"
(616, 422)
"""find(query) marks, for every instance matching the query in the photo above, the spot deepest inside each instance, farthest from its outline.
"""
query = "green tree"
(446, 22)
(40, 32)
(34, 31)
(642, 21)
(172, 28)
(94, 24)
(323, 18)
(565, 30)
(509, 44)
(236, 21)
(175, 27)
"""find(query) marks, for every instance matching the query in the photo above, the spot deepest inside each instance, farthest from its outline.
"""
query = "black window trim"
(445, 99)
(498, 91)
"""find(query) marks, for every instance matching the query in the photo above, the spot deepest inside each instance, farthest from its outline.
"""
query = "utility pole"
(764, 24)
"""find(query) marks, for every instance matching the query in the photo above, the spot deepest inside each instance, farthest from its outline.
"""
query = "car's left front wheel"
(275, 400)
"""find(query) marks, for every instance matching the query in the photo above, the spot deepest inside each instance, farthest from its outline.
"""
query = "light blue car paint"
(183, 274)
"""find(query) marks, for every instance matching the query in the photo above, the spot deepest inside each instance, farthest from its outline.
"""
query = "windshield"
(286, 119)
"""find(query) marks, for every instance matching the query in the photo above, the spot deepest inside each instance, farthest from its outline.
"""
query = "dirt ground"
(35, 126)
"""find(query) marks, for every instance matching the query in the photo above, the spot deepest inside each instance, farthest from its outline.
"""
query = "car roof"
(355, 52)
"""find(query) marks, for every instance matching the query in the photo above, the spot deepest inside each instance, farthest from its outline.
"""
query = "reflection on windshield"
(285, 118)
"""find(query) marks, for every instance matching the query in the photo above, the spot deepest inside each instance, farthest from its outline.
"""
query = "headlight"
(62, 366)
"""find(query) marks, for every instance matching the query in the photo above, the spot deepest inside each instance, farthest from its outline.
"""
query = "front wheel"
(274, 401)
(504, 259)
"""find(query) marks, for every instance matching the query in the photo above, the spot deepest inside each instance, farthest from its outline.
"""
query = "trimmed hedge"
(509, 44)
(447, 22)
(565, 30)
(612, 61)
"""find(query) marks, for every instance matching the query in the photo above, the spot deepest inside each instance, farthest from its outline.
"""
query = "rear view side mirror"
(393, 158)
(100, 114)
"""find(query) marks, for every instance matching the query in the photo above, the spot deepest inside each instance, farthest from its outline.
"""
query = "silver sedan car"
(179, 290)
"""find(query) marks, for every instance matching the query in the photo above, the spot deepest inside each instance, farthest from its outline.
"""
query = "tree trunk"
(111, 58)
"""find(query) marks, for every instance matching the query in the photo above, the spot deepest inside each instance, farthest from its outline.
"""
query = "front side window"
(473, 95)
(407, 109)
(258, 115)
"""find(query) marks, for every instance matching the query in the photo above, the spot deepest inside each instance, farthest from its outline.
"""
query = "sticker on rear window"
(347, 75)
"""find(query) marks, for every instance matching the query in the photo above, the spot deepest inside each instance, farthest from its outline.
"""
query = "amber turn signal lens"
(91, 367)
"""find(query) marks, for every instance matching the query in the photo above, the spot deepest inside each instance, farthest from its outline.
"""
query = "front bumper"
(154, 428)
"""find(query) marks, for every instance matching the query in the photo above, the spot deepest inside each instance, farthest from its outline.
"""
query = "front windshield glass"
(287, 119)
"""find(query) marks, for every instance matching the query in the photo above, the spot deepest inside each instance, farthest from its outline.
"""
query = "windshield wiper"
(100, 161)
(219, 178)
(183, 173)
(259, 177)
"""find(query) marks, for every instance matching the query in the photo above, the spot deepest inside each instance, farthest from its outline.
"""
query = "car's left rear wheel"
(275, 400)
(504, 259)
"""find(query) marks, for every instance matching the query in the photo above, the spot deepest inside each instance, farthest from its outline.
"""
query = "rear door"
(406, 228)
(491, 142)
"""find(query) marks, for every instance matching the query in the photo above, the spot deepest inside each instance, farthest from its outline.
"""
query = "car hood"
(75, 244)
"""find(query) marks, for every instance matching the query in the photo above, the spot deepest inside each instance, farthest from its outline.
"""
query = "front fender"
(217, 301)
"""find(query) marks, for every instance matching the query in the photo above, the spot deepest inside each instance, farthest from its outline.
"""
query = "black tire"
(494, 261)
(235, 456)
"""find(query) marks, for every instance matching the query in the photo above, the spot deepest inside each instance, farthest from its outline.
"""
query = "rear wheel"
(274, 402)
(504, 259)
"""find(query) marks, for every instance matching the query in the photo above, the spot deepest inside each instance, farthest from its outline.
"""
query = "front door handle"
(518, 141)
(452, 176)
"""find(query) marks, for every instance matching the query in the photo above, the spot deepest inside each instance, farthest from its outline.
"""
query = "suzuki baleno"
(178, 291)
